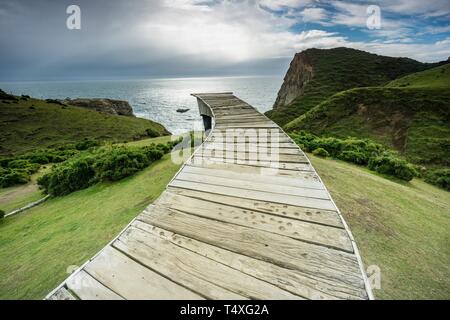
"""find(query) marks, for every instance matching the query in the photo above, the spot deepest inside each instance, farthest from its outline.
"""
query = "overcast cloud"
(143, 38)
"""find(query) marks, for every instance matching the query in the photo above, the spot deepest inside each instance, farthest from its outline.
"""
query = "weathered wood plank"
(200, 274)
(132, 280)
(300, 230)
(275, 189)
(303, 179)
(256, 170)
(325, 217)
(308, 286)
(88, 288)
(315, 203)
(265, 164)
(62, 294)
(311, 259)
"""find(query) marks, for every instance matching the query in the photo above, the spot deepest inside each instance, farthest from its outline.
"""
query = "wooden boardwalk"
(234, 223)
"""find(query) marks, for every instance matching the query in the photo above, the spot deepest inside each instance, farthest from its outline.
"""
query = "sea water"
(158, 99)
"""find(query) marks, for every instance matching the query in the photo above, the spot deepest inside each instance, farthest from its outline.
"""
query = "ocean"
(158, 99)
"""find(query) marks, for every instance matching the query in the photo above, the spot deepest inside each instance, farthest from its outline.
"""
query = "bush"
(71, 176)
(358, 151)
(152, 133)
(2, 214)
(9, 178)
(439, 177)
(321, 152)
(390, 165)
(86, 144)
(24, 165)
(105, 164)
(356, 157)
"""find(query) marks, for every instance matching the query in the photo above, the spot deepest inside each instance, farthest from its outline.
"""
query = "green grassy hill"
(27, 124)
(339, 69)
(438, 77)
(401, 227)
(413, 118)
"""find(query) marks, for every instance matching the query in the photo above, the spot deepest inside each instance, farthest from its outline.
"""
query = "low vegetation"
(400, 227)
(439, 177)
(38, 246)
(27, 124)
(110, 163)
(359, 151)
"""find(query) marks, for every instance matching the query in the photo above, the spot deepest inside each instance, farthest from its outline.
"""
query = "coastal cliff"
(110, 106)
(300, 72)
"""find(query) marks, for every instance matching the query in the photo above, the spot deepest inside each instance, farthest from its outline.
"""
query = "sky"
(189, 38)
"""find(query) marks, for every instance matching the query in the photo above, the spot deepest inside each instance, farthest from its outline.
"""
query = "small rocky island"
(110, 106)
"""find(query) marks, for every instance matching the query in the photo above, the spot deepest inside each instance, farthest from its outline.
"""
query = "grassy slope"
(401, 227)
(436, 78)
(23, 128)
(340, 69)
(36, 247)
(414, 118)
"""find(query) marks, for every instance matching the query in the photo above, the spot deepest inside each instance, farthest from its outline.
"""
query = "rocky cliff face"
(299, 73)
(116, 107)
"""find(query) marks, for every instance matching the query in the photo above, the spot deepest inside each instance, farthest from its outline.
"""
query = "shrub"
(152, 133)
(24, 165)
(104, 164)
(439, 177)
(2, 214)
(356, 157)
(10, 178)
(86, 144)
(332, 145)
(390, 165)
(71, 176)
(321, 152)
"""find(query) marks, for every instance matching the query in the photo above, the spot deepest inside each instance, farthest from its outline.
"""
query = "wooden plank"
(300, 230)
(307, 286)
(250, 146)
(62, 294)
(87, 288)
(200, 274)
(275, 189)
(254, 169)
(254, 156)
(132, 280)
(311, 259)
(264, 164)
(325, 217)
(305, 180)
(256, 195)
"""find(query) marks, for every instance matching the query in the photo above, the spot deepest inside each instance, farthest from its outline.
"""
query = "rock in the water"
(182, 110)
(116, 107)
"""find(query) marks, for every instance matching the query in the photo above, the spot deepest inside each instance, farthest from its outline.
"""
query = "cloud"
(316, 15)
(192, 37)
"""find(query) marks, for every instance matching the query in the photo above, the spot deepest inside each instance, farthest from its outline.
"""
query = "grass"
(29, 124)
(339, 69)
(436, 77)
(414, 121)
(16, 197)
(400, 227)
(38, 246)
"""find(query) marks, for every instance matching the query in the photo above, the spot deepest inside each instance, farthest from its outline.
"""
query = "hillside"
(413, 118)
(400, 227)
(438, 77)
(28, 123)
(316, 74)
